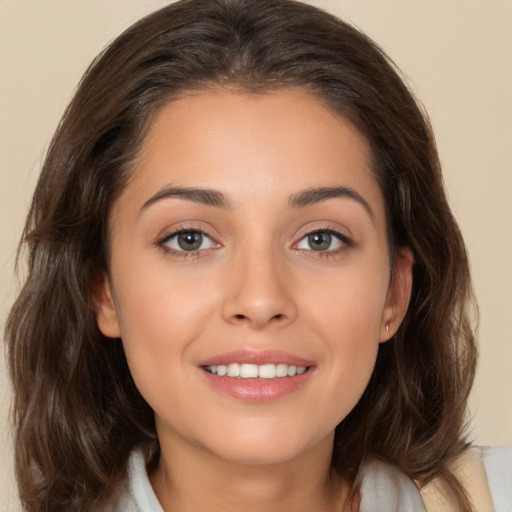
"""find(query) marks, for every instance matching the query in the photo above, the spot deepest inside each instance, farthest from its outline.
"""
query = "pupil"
(190, 241)
(319, 241)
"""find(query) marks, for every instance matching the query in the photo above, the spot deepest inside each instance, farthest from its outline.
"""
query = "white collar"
(384, 488)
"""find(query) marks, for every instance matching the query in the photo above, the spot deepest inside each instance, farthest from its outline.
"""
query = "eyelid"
(162, 240)
(329, 227)
(176, 237)
(345, 239)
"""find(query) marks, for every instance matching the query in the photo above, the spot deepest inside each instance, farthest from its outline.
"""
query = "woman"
(242, 271)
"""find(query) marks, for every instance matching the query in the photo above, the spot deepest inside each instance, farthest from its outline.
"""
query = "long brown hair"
(77, 414)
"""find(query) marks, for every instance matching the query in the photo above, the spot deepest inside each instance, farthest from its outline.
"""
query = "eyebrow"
(210, 197)
(204, 196)
(317, 195)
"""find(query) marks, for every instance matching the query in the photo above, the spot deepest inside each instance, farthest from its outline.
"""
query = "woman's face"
(251, 238)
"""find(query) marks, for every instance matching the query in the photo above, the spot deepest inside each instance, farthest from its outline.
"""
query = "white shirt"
(384, 488)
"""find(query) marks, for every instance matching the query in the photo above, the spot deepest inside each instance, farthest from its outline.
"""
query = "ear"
(399, 294)
(105, 308)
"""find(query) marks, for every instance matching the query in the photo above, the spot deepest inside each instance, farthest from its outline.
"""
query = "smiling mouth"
(254, 371)
(257, 377)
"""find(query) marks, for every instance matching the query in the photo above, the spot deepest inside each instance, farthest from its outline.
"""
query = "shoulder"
(485, 472)
(498, 467)
(486, 475)
(138, 495)
(384, 488)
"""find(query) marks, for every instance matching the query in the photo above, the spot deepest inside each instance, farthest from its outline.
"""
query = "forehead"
(253, 145)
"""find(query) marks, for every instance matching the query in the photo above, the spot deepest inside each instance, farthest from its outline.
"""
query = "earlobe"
(399, 294)
(104, 306)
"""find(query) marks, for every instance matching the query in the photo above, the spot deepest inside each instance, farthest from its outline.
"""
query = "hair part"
(77, 414)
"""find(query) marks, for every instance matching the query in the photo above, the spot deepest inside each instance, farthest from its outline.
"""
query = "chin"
(259, 456)
(267, 447)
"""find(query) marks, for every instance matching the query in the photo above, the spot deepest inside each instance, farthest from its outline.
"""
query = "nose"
(260, 292)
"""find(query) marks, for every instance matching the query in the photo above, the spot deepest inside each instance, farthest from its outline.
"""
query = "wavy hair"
(77, 414)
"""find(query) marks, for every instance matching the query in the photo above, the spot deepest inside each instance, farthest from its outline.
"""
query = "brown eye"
(320, 241)
(187, 241)
(190, 241)
(323, 241)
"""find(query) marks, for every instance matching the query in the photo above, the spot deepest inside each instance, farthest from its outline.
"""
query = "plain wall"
(457, 56)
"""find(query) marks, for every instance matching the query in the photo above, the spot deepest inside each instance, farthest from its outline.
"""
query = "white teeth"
(233, 370)
(267, 371)
(281, 370)
(254, 371)
(248, 371)
(292, 370)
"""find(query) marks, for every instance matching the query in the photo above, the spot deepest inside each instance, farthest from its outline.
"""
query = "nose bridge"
(259, 292)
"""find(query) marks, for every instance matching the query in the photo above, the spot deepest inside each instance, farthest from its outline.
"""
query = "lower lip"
(257, 390)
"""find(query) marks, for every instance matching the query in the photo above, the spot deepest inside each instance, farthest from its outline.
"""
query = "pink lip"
(259, 357)
(257, 390)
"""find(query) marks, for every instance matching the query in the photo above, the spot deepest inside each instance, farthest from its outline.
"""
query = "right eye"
(187, 241)
(327, 241)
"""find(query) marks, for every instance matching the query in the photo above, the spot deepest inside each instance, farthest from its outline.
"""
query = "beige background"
(457, 56)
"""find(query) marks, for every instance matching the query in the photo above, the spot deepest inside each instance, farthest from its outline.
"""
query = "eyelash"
(346, 243)
(162, 243)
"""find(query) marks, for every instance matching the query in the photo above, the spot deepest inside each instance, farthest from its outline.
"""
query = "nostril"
(239, 317)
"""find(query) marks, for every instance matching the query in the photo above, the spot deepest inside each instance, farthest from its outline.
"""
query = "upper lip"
(258, 357)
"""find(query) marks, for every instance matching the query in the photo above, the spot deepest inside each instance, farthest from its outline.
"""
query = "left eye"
(321, 241)
(189, 241)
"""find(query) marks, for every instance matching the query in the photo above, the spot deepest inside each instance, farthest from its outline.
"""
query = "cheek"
(347, 315)
(160, 317)
(348, 305)
(156, 302)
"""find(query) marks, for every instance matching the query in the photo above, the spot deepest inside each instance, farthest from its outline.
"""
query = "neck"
(188, 478)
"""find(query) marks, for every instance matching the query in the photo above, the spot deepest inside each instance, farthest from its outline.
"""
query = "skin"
(258, 284)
